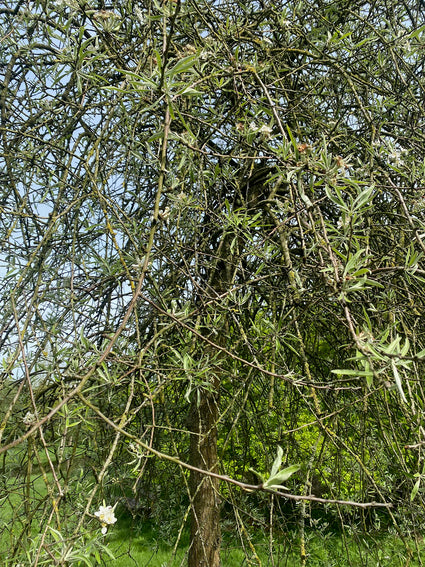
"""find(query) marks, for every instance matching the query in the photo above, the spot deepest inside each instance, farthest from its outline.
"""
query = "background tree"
(212, 225)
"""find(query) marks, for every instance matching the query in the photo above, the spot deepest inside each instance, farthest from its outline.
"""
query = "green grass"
(143, 544)
(142, 547)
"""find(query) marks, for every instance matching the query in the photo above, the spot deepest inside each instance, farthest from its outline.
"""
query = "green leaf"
(369, 380)
(276, 480)
(294, 143)
(56, 534)
(336, 199)
(420, 354)
(360, 272)
(415, 489)
(83, 558)
(189, 91)
(374, 283)
(352, 372)
(363, 198)
(181, 66)
(405, 348)
(394, 346)
(417, 32)
(277, 462)
(398, 381)
(354, 261)
(370, 39)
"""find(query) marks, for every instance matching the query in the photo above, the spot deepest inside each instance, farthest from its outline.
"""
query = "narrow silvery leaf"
(415, 490)
(277, 462)
(398, 381)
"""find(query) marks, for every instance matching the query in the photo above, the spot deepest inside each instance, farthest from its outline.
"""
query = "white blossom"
(62, 4)
(165, 214)
(106, 517)
(343, 222)
(139, 15)
(29, 419)
(395, 157)
(266, 131)
(403, 41)
(139, 264)
(106, 15)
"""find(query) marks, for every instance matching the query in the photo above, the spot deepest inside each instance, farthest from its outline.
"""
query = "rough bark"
(205, 517)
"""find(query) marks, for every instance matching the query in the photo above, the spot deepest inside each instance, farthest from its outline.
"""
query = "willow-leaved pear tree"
(212, 262)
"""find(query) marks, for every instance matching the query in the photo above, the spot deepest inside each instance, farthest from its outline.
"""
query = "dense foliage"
(212, 226)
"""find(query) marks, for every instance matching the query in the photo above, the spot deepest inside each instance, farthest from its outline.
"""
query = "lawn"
(140, 543)
(140, 546)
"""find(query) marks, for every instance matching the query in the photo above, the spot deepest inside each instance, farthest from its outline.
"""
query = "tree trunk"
(205, 514)
(205, 540)
(204, 413)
